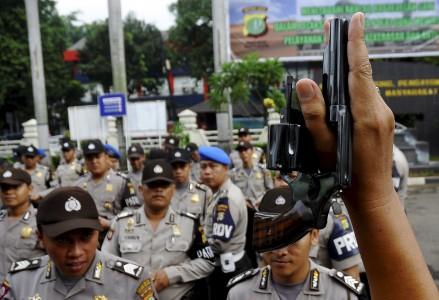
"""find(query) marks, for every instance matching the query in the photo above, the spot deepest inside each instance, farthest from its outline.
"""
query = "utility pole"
(117, 49)
(37, 69)
(224, 117)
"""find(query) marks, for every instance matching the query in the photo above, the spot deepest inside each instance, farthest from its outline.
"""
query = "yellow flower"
(269, 103)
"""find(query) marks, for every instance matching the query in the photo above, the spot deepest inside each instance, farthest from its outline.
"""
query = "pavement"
(413, 181)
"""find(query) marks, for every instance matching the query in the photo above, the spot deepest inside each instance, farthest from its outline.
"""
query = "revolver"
(290, 147)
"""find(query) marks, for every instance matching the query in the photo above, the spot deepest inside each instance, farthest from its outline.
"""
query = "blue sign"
(112, 105)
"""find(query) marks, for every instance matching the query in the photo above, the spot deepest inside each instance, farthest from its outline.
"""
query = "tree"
(15, 73)
(143, 54)
(248, 78)
(190, 41)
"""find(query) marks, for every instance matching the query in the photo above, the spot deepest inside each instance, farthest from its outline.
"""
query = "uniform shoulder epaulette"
(3, 214)
(25, 264)
(348, 281)
(123, 175)
(124, 214)
(127, 268)
(187, 214)
(243, 276)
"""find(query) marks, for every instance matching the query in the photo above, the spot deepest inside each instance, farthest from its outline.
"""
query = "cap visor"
(11, 181)
(179, 160)
(158, 179)
(55, 229)
(134, 155)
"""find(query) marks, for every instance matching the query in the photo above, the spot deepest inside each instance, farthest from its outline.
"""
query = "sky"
(151, 11)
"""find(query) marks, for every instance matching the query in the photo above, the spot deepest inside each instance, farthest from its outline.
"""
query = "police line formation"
(178, 225)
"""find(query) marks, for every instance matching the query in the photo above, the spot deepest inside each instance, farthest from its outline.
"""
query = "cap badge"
(30, 149)
(91, 146)
(280, 201)
(133, 149)
(72, 204)
(177, 154)
(7, 174)
(171, 141)
(158, 169)
(66, 145)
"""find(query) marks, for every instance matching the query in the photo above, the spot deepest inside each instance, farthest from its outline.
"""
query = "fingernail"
(305, 91)
(361, 21)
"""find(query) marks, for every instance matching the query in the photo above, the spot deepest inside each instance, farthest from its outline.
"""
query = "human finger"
(312, 105)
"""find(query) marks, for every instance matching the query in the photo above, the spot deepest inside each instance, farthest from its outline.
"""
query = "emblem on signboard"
(255, 21)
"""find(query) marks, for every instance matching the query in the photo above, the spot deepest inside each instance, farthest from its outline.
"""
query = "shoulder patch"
(127, 268)
(241, 277)
(188, 215)
(124, 214)
(348, 281)
(24, 264)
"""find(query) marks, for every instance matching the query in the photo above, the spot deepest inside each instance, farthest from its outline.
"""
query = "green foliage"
(190, 41)
(143, 54)
(178, 131)
(15, 73)
(250, 77)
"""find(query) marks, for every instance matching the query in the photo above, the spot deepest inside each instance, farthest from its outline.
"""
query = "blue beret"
(111, 151)
(214, 154)
(41, 153)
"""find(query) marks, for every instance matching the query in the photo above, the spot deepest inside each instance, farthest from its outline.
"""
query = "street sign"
(113, 104)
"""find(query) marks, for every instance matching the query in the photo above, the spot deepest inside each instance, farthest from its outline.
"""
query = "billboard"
(292, 29)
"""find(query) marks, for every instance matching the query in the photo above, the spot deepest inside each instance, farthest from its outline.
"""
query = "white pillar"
(30, 135)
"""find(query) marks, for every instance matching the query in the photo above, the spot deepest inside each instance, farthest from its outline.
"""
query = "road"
(422, 207)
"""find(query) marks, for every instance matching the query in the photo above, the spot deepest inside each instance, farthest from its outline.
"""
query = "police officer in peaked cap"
(226, 222)
(136, 157)
(189, 195)
(192, 148)
(68, 225)
(258, 153)
(111, 191)
(70, 170)
(169, 243)
(290, 273)
(18, 229)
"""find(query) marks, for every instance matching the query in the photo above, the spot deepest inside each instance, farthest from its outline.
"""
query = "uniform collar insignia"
(314, 280)
(98, 272)
(263, 283)
(48, 270)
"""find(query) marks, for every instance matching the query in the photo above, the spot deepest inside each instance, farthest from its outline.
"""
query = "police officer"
(18, 230)
(170, 143)
(252, 179)
(171, 244)
(189, 196)
(69, 171)
(40, 175)
(338, 247)
(226, 221)
(136, 156)
(400, 173)
(258, 154)
(289, 273)
(111, 191)
(68, 225)
(192, 148)
(113, 156)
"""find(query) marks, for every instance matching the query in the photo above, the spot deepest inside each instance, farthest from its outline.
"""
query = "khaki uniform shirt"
(136, 180)
(109, 277)
(338, 247)
(226, 221)
(167, 248)
(68, 174)
(40, 180)
(111, 193)
(192, 198)
(321, 283)
(18, 239)
(237, 161)
(253, 185)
